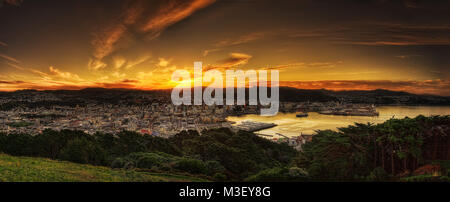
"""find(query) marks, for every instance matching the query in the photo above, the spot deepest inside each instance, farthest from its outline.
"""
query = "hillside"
(26, 169)
(31, 98)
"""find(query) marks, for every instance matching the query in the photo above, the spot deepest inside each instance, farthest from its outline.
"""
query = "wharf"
(250, 126)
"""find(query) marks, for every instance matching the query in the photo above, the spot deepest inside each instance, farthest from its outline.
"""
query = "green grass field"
(26, 169)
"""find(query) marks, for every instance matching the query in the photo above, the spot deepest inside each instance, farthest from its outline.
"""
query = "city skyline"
(348, 45)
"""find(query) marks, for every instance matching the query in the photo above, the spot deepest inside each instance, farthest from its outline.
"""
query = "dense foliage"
(395, 148)
(218, 154)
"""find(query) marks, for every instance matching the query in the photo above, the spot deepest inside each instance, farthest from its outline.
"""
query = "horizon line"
(166, 89)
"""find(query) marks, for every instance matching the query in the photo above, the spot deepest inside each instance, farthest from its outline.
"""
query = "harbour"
(290, 125)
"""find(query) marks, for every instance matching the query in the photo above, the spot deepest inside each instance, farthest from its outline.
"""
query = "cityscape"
(282, 95)
(158, 118)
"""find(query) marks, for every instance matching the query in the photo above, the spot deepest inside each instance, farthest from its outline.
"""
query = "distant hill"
(26, 169)
(287, 94)
(387, 97)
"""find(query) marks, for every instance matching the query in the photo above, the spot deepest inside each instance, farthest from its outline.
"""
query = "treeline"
(218, 154)
(391, 150)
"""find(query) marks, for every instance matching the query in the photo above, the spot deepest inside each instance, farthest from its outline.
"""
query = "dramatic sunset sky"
(333, 44)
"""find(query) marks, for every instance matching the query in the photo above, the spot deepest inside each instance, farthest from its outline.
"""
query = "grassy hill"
(26, 169)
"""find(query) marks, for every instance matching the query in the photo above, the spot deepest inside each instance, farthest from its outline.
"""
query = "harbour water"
(288, 124)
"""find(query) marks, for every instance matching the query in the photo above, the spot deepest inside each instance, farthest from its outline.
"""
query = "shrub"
(122, 163)
(279, 175)
(214, 167)
(220, 177)
(81, 150)
(378, 174)
(191, 166)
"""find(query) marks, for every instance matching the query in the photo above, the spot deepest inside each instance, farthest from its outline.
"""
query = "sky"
(400, 45)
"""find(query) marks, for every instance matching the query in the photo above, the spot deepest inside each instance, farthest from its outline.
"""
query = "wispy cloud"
(207, 52)
(241, 39)
(163, 62)
(140, 60)
(106, 41)
(12, 82)
(34, 71)
(119, 62)
(9, 58)
(3, 44)
(64, 75)
(236, 59)
(233, 60)
(379, 34)
(96, 64)
(301, 65)
(135, 21)
(407, 56)
(171, 13)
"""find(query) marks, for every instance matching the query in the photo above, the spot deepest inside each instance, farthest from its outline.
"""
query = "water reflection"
(290, 125)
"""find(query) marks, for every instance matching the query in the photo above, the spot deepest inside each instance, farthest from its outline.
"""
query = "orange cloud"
(140, 60)
(299, 65)
(11, 59)
(133, 21)
(241, 40)
(106, 41)
(207, 52)
(129, 81)
(12, 82)
(116, 85)
(96, 64)
(119, 62)
(171, 13)
(163, 62)
(236, 59)
(64, 75)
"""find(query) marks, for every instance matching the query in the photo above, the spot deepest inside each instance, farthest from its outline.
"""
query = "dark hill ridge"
(386, 97)
(287, 94)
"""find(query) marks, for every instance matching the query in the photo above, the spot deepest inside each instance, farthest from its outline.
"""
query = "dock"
(302, 114)
(250, 126)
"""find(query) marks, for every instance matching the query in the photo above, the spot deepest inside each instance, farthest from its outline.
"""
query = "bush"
(124, 163)
(81, 150)
(150, 160)
(18, 144)
(378, 174)
(297, 172)
(220, 177)
(214, 167)
(191, 166)
(279, 175)
(159, 160)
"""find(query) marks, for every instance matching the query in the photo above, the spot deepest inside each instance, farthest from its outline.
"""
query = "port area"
(251, 126)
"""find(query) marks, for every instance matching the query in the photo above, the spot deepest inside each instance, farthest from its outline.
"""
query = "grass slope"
(27, 169)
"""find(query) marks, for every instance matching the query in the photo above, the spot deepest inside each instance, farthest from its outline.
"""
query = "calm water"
(290, 125)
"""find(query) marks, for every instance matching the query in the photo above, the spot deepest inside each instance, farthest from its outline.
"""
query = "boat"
(301, 115)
